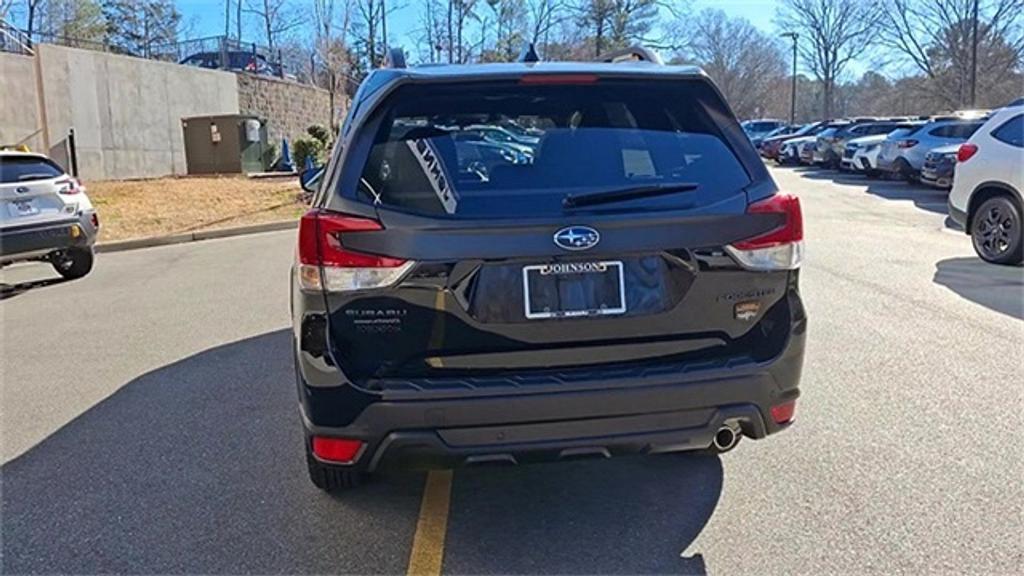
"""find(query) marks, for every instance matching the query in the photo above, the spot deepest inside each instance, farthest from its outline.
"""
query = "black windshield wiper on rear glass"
(623, 194)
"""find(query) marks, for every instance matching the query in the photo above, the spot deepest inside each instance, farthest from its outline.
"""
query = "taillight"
(783, 413)
(339, 450)
(95, 220)
(966, 152)
(781, 248)
(69, 186)
(906, 143)
(325, 263)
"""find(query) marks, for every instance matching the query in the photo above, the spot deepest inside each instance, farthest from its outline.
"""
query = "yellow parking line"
(428, 543)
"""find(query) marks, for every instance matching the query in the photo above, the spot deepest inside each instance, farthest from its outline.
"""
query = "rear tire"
(73, 263)
(997, 232)
(328, 478)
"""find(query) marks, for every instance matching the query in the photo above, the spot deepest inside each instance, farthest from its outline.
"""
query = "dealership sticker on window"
(433, 167)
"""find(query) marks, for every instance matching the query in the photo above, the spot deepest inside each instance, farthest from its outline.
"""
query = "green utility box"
(228, 144)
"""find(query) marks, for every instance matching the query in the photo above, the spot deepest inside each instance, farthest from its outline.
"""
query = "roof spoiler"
(395, 58)
(632, 54)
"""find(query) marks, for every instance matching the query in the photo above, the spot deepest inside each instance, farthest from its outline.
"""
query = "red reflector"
(792, 230)
(320, 241)
(336, 449)
(783, 413)
(558, 79)
(966, 152)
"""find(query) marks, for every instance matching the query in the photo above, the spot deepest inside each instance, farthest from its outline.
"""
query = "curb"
(121, 245)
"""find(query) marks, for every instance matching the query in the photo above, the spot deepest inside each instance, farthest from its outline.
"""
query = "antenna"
(395, 58)
(528, 55)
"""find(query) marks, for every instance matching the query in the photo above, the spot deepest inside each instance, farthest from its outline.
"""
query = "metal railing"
(215, 52)
(13, 39)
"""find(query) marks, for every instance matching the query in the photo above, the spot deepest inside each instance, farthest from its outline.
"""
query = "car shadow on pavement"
(12, 290)
(197, 467)
(999, 288)
(924, 198)
(622, 516)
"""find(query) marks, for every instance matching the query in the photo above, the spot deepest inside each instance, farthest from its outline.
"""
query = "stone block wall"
(288, 107)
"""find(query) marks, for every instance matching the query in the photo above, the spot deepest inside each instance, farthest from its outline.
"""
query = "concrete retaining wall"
(126, 111)
(288, 107)
(19, 102)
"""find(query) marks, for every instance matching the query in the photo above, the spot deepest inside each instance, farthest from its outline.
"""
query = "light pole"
(974, 54)
(792, 95)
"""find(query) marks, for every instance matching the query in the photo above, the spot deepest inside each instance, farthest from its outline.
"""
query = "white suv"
(987, 187)
(44, 215)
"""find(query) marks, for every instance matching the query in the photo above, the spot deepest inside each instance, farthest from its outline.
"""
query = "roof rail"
(528, 54)
(395, 58)
(632, 54)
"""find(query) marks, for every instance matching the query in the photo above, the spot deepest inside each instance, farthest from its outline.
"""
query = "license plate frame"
(23, 208)
(576, 268)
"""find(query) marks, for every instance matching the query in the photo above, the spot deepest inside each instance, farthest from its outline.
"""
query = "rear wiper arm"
(623, 194)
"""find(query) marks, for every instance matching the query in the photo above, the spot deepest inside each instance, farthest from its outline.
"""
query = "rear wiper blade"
(623, 194)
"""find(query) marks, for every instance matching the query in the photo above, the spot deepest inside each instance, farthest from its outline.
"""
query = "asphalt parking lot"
(149, 425)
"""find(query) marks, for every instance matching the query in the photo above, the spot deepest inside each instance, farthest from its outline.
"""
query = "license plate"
(574, 289)
(23, 208)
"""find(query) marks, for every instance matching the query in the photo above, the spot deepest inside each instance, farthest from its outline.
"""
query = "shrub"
(269, 156)
(311, 147)
(320, 133)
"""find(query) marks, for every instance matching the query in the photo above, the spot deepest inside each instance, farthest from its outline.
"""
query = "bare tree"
(510, 23)
(32, 9)
(432, 31)
(7, 9)
(832, 34)
(936, 36)
(617, 23)
(276, 17)
(332, 21)
(544, 16)
(747, 64)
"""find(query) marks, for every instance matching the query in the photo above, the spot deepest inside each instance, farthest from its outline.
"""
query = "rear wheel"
(328, 478)
(996, 231)
(73, 263)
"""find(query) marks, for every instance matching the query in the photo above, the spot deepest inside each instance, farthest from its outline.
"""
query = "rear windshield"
(760, 126)
(905, 131)
(508, 149)
(25, 168)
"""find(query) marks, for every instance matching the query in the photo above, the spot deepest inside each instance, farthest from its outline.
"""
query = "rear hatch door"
(30, 191)
(604, 245)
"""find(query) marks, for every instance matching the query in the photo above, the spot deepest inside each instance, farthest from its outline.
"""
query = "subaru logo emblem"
(21, 189)
(577, 238)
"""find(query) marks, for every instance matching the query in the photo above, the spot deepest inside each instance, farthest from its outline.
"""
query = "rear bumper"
(941, 178)
(35, 240)
(666, 412)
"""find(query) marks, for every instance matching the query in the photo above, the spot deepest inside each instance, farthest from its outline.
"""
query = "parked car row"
(979, 155)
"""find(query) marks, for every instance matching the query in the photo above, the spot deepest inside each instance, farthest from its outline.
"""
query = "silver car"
(903, 152)
(44, 215)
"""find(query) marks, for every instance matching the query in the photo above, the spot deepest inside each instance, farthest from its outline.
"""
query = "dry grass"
(139, 208)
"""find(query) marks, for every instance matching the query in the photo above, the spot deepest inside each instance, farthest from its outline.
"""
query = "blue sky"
(207, 16)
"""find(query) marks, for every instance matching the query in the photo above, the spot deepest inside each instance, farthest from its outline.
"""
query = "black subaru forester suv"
(510, 263)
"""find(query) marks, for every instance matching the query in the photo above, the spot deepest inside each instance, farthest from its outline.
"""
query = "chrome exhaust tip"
(726, 438)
